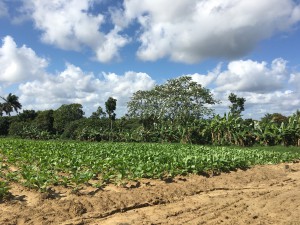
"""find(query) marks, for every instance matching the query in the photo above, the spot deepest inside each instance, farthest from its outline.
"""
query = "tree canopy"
(179, 100)
(99, 113)
(237, 104)
(110, 106)
(66, 114)
(11, 103)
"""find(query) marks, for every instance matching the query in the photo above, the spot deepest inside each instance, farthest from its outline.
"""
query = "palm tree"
(11, 103)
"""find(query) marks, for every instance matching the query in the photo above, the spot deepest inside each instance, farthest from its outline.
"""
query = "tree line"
(177, 111)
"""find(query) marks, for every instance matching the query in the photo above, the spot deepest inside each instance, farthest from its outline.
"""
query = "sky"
(84, 51)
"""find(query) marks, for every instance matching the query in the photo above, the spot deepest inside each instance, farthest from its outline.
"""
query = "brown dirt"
(261, 195)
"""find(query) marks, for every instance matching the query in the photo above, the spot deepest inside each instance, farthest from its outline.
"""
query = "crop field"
(41, 164)
(66, 182)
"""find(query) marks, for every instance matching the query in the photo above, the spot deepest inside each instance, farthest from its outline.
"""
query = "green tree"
(4, 125)
(66, 114)
(179, 100)
(98, 114)
(27, 115)
(276, 118)
(44, 121)
(1, 109)
(11, 103)
(237, 104)
(110, 106)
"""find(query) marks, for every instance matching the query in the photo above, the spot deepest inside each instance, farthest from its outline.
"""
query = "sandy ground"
(261, 195)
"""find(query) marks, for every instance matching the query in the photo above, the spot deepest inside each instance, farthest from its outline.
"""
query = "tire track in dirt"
(248, 206)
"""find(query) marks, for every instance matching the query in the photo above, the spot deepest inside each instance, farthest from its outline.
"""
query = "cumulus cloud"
(76, 86)
(184, 31)
(253, 76)
(70, 26)
(191, 31)
(258, 104)
(206, 80)
(19, 64)
(267, 88)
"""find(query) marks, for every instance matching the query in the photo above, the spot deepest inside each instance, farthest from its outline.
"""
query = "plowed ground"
(261, 195)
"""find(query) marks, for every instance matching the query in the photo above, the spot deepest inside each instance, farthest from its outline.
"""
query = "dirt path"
(261, 195)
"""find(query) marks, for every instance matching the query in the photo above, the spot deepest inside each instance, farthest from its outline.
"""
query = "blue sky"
(64, 51)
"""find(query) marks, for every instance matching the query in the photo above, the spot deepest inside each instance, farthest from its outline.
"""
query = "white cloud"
(191, 31)
(110, 47)
(295, 80)
(76, 86)
(266, 88)
(19, 64)
(252, 76)
(206, 80)
(69, 26)
(258, 104)
(184, 31)
(3, 9)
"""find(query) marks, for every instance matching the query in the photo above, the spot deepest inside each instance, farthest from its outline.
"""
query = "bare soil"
(261, 195)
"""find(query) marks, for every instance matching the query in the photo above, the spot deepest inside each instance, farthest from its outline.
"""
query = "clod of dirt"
(77, 209)
(132, 184)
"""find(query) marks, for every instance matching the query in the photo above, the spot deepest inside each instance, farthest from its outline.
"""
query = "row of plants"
(42, 164)
(218, 130)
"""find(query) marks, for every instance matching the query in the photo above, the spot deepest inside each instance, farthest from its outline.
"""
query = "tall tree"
(110, 106)
(179, 100)
(66, 114)
(11, 103)
(237, 104)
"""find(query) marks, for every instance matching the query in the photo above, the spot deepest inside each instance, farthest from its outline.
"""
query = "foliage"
(66, 114)
(44, 163)
(274, 118)
(27, 115)
(175, 112)
(11, 103)
(4, 190)
(44, 121)
(98, 114)
(4, 126)
(237, 106)
(110, 106)
(28, 130)
(179, 100)
(88, 129)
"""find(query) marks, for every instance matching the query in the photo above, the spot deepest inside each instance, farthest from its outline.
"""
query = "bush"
(4, 126)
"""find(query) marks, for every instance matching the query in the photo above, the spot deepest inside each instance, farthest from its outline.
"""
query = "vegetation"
(42, 164)
(11, 103)
(238, 104)
(65, 115)
(4, 190)
(175, 112)
(179, 100)
(159, 119)
(110, 106)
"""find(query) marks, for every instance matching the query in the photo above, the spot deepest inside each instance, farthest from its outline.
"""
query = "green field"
(42, 164)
